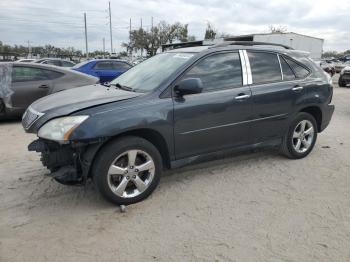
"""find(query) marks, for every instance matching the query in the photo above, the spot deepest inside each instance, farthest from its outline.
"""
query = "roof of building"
(279, 33)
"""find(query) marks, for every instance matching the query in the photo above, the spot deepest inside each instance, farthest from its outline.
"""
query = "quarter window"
(287, 71)
(300, 71)
(217, 72)
(265, 67)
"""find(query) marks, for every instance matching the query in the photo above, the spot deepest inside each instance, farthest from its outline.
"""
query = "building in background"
(310, 44)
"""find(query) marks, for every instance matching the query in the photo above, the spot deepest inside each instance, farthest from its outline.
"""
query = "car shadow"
(10, 121)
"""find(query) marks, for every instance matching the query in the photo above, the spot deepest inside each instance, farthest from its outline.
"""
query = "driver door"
(217, 118)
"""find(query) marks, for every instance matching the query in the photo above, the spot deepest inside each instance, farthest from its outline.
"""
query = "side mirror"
(189, 86)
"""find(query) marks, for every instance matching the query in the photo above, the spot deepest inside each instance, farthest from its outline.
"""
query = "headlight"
(59, 129)
(342, 72)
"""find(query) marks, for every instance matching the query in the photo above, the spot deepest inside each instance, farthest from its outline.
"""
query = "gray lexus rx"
(178, 107)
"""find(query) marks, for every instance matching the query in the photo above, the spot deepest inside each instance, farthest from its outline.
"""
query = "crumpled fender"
(6, 83)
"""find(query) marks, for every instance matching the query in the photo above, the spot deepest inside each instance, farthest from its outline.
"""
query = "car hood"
(69, 101)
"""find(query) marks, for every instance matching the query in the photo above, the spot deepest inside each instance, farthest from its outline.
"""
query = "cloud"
(60, 23)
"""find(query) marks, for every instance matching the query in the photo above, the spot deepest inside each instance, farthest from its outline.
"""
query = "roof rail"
(181, 45)
(248, 43)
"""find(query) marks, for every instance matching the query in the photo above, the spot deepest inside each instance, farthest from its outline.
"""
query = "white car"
(344, 78)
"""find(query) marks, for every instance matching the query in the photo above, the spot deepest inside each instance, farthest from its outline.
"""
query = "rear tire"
(127, 170)
(301, 136)
(341, 83)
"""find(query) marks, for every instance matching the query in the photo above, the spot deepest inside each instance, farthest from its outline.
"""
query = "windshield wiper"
(126, 88)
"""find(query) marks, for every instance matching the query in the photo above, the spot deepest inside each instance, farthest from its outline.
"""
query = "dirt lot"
(255, 207)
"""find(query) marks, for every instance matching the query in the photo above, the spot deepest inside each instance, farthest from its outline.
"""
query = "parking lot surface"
(253, 207)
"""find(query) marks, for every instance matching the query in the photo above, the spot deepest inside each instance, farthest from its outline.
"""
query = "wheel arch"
(316, 112)
(151, 135)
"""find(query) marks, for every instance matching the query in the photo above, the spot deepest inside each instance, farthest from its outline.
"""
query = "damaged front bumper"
(68, 163)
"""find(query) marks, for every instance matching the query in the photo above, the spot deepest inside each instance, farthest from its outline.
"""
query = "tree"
(151, 40)
(191, 38)
(210, 32)
(277, 29)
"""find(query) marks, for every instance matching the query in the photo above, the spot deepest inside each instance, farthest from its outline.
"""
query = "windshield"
(149, 74)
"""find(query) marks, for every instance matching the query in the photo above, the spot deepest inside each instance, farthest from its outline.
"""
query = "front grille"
(29, 117)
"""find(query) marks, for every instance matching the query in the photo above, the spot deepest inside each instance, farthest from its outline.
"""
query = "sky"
(60, 22)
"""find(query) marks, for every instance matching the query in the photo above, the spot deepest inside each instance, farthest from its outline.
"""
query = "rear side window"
(265, 67)
(103, 65)
(286, 70)
(23, 74)
(218, 72)
(299, 70)
(120, 65)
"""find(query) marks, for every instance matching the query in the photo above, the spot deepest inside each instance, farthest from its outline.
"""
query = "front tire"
(127, 170)
(301, 136)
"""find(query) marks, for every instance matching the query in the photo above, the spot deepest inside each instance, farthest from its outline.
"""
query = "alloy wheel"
(303, 136)
(131, 173)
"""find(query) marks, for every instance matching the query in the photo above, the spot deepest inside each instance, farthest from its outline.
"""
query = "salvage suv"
(179, 107)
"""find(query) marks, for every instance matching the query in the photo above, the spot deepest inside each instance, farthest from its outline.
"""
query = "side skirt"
(224, 153)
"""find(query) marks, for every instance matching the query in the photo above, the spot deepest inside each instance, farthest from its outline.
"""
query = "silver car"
(23, 83)
(340, 66)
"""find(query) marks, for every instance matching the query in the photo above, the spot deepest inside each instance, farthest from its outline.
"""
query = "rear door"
(217, 118)
(29, 84)
(275, 90)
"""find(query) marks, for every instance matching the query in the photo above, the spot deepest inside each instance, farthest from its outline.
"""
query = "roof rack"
(248, 43)
(181, 45)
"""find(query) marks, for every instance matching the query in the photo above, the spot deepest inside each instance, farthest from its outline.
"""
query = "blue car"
(105, 69)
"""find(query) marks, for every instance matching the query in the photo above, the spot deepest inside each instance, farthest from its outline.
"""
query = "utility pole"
(110, 25)
(104, 47)
(29, 50)
(130, 50)
(141, 47)
(86, 41)
(152, 23)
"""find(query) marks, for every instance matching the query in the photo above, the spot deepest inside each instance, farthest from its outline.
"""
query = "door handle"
(242, 96)
(43, 86)
(297, 88)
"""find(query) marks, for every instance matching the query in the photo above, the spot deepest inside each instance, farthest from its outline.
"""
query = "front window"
(218, 72)
(151, 73)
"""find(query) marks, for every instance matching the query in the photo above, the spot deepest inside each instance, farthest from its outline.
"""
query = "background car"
(327, 66)
(55, 62)
(30, 81)
(341, 65)
(105, 69)
(26, 60)
(344, 78)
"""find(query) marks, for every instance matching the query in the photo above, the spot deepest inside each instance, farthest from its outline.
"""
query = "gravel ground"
(253, 207)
